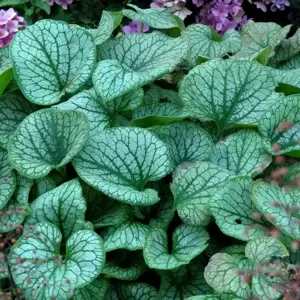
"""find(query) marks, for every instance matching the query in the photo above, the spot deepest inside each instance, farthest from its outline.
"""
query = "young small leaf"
(188, 242)
(47, 139)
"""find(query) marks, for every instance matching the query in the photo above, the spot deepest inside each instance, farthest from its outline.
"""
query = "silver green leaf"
(215, 297)
(52, 58)
(43, 185)
(206, 42)
(4, 272)
(133, 60)
(280, 125)
(193, 186)
(17, 209)
(129, 235)
(13, 110)
(6, 70)
(228, 92)
(107, 25)
(7, 178)
(287, 48)
(291, 64)
(96, 290)
(135, 267)
(44, 273)
(154, 94)
(119, 162)
(242, 153)
(233, 210)
(279, 204)
(165, 213)
(159, 18)
(47, 139)
(187, 142)
(136, 291)
(63, 206)
(99, 113)
(188, 242)
(221, 273)
(260, 36)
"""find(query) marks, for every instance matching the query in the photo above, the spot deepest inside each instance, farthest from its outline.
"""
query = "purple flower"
(135, 27)
(63, 3)
(274, 5)
(10, 23)
(198, 3)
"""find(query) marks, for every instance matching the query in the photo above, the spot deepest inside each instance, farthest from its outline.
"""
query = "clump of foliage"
(161, 165)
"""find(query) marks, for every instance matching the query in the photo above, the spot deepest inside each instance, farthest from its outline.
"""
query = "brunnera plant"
(160, 165)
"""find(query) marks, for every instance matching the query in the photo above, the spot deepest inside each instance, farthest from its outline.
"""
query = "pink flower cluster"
(10, 23)
(222, 14)
(63, 3)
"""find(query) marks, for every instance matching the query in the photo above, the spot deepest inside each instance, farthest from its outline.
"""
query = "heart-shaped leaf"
(193, 186)
(102, 114)
(280, 205)
(63, 206)
(129, 235)
(119, 162)
(42, 272)
(230, 93)
(17, 209)
(109, 21)
(242, 153)
(233, 210)
(134, 60)
(188, 242)
(260, 36)
(96, 290)
(52, 58)
(206, 42)
(187, 142)
(13, 110)
(7, 178)
(159, 18)
(47, 139)
(6, 71)
(130, 267)
(280, 127)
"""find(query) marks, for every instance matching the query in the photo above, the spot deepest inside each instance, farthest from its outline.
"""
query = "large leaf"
(188, 242)
(109, 21)
(136, 291)
(287, 48)
(44, 272)
(193, 187)
(159, 18)
(119, 162)
(230, 93)
(280, 205)
(63, 206)
(50, 59)
(99, 113)
(280, 125)
(291, 64)
(206, 42)
(242, 153)
(222, 274)
(258, 37)
(6, 71)
(129, 235)
(7, 179)
(233, 210)
(47, 139)
(13, 110)
(17, 209)
(96, 290)
(134, 60)
(187, 142)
